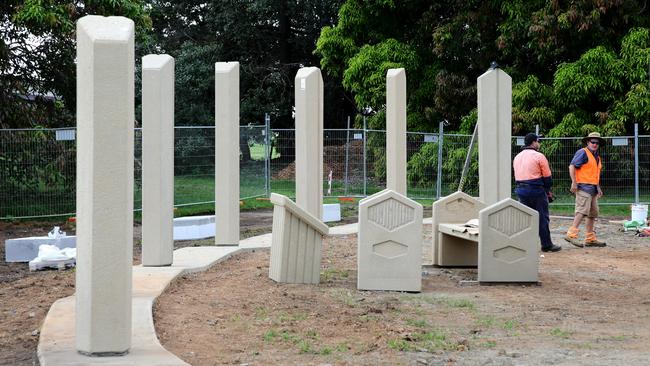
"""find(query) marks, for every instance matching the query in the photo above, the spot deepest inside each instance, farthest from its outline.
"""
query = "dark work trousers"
(536, 199)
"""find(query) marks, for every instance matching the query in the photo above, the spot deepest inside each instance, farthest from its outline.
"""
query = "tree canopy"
(37, 56)
(575, 65)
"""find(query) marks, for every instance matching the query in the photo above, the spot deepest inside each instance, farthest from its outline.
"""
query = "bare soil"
(591, 308)
(26, 297)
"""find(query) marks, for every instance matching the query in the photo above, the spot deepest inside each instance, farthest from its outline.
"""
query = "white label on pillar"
(430, 138)
(65, 135)
(358, 136)
(303, 83)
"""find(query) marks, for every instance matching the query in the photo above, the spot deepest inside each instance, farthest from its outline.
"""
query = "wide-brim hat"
(594, 135)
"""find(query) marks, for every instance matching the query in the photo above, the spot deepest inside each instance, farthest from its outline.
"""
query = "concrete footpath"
(56, 345)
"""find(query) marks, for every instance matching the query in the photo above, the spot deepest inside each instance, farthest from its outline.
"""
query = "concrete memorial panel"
(105, 115)
(157, 160)
(508, 243)
(494, 90)
(389, 251)
(309, 140)
(396, 130)
(226, 162)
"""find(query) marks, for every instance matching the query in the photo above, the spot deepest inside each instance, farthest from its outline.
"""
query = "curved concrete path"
(56, 344)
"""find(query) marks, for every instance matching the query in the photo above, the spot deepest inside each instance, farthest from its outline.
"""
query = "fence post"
(441, 128)
(268, 151)
(636, 163)
(537, 130)
(365, 172)
(347, 152)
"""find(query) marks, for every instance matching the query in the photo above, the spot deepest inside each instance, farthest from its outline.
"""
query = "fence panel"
(38, 170)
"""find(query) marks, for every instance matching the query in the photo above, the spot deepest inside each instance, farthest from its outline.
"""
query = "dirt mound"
(334, 161)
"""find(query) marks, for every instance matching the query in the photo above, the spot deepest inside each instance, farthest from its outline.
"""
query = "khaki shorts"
(586, 204)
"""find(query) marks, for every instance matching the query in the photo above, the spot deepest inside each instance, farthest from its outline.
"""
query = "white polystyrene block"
(297, 239)
(508, 243)
(331, 212)
(389, 251)
(226, 153)
(157, 160)
(494, 90)
(396, 130)
(26, 249)
(105, 139)
(457, 208)
(309, 140)
(194, 227)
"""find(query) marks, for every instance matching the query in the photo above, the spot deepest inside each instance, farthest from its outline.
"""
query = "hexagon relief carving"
(390, 249)
(391, 214)
(509, 254)
(459, 204)
(509, 221)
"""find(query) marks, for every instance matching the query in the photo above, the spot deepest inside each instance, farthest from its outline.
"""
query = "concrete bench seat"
(459, 231)
(507, 238)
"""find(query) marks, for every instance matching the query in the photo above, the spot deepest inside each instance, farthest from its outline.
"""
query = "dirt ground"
(26, 297)
(592, 308)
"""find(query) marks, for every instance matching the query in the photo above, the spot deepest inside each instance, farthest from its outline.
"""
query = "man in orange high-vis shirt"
(534, 182)
(584, 170)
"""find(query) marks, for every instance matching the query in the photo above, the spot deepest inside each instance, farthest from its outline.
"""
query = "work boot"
(552, 248)
(572, 237)
(591, 241)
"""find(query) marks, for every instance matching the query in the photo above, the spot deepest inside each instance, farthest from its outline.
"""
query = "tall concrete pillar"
(226, 164)
(157, 160)
(396, 130)
(105, 114)
(494, 135)
(309, 140)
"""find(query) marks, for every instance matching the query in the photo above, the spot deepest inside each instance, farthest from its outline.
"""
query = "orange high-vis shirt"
(530, 164)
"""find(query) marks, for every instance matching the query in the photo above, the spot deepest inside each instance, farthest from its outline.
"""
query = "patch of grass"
(333, 274)
(557, 332)
(344, 296)
(261, 313)
(312, 334)
(510, 324)
(284, 317)
(305, 346)
(489, 344)
(459, 303)
(270, 335)
(341, 348)
(487, 321)
(420, 323)
(400, 345)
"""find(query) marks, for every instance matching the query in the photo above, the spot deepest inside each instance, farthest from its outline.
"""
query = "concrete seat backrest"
(296, 244)
(389, 253)
(508, 243)
(458, 207)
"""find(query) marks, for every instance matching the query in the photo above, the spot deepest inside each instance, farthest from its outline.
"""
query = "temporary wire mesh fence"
(38, 174)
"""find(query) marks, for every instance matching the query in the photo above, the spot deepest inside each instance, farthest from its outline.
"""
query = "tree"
(37, 53)
(271, 40)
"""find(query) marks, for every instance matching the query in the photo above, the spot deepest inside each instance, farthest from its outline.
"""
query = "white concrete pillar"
(494, 134)
(396, 130)
(157, 160)
(309, 140)
(226, 163)
(105, 114)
